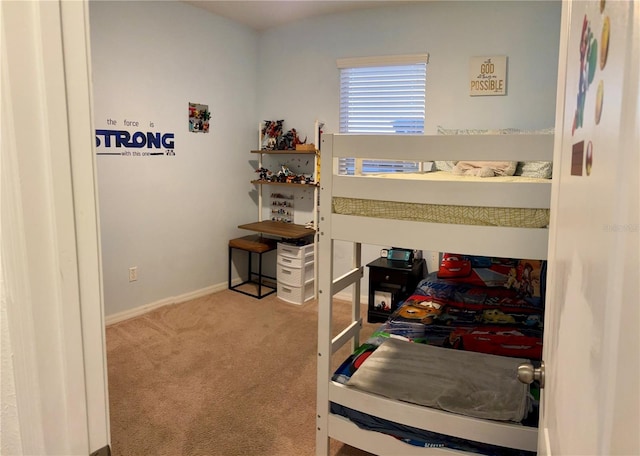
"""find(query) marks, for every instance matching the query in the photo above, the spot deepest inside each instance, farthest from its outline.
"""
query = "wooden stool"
(253, 244)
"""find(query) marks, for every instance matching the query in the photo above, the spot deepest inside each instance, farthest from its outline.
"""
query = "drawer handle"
(285, 271)
(386, 277)
(288, 290)
(284, 260)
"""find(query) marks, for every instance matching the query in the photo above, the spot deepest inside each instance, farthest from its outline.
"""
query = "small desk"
(285, 230)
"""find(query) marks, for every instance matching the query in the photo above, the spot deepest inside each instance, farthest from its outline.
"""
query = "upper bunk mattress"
(440, 213)
(435, 213)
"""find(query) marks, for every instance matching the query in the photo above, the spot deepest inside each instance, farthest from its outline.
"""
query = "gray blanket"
(468, 383)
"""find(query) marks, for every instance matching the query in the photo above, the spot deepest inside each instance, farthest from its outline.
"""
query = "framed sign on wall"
(488, 75)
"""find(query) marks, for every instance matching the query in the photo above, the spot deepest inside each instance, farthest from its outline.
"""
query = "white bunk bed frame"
(494, 241)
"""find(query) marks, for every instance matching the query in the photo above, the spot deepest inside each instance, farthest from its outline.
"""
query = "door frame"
(52, 298)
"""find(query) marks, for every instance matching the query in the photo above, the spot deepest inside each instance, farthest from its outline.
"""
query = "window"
(382, 95)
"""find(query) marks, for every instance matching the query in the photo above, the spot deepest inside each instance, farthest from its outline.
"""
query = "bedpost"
(356, 297)
(325, 300)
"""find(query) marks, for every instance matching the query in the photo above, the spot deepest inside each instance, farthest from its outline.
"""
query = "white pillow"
(540, 169)
(485, 168)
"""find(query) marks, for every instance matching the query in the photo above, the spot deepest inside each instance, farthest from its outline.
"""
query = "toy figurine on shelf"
(284, 141)
(264, 174)
(296, 139)
(271, 134)
(283, 174)
(289, 140)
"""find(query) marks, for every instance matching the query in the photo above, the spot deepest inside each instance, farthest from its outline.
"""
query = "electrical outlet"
(433, 261)
(133, 273)
(435, 257)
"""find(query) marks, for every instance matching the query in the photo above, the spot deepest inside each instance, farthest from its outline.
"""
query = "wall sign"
(488, 75)
(131, 138)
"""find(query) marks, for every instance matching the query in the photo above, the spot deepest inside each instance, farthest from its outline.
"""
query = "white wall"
(172, 216)
(299, 81)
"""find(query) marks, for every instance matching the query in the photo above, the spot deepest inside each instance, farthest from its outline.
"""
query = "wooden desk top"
(285, 230)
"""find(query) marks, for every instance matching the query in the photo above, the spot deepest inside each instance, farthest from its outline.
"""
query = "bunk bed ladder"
(327, 289)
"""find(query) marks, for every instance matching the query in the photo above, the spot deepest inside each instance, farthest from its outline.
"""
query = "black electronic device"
(400, 255)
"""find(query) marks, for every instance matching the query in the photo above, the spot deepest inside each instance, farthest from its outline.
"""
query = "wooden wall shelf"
(286, 151)
(262, 182)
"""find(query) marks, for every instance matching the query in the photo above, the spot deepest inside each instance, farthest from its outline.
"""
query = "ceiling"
(263, 14)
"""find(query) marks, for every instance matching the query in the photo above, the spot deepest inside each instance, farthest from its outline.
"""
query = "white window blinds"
(382, 95)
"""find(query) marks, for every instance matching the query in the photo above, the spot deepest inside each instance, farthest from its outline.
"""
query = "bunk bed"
(363, 209)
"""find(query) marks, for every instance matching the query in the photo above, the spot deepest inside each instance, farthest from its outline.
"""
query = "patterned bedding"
(473, 303)
(491, 306)
(422, 438)
(495, 307)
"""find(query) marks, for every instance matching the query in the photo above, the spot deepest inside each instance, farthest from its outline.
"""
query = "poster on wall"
(488, 76)
(199, 116)
(133, 138)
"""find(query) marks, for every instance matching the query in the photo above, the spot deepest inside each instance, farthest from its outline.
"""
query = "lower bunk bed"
(455, 345)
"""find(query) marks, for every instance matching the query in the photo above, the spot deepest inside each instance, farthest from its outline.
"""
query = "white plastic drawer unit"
(295, 273)
(295, 295)
(293, 255)
(294, 276)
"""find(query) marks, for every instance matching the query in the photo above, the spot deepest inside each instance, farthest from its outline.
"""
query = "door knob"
(527, 373)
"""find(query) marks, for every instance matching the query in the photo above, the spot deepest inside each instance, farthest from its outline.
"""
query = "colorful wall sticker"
(593, 60)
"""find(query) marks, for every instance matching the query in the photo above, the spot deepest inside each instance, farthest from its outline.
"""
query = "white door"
(591, 401)
(53, 371)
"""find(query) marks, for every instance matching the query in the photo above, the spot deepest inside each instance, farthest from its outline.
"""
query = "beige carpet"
(223, 375)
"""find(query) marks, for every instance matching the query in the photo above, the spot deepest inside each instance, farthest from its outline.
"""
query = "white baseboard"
(346, 296)
(141, 310)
